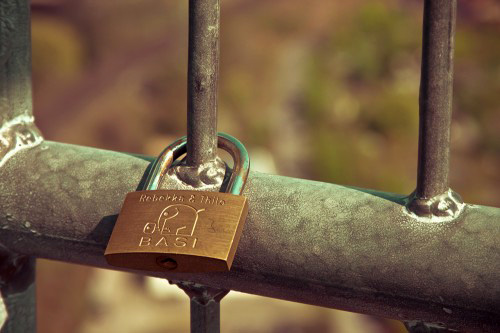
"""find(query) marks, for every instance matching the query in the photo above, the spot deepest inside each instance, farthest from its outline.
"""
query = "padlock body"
(198, 231)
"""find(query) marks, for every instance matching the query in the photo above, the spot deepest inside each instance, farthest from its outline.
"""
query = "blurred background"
(324, 90)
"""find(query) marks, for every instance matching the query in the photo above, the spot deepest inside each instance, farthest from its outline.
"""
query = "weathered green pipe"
(303, 241)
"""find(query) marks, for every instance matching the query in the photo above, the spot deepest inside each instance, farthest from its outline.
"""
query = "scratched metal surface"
(304, 241)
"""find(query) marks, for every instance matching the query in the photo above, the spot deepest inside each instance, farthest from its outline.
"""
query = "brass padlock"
(178, 230)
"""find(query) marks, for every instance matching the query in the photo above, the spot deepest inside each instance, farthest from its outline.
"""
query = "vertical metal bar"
(205, 317)
(17, 285)
(436, 91)
(205, 306)
(17, 132)
(203, 69)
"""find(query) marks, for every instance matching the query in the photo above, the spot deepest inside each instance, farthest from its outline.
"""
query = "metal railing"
(423, 258)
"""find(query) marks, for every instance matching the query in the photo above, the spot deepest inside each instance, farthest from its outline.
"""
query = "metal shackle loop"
(178, 148)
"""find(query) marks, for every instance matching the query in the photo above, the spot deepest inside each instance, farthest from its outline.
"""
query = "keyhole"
(167, 263)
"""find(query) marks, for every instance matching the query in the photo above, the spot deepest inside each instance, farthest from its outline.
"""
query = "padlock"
(179, 230)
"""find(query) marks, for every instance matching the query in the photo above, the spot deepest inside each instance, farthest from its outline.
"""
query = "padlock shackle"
(163, 162)
(178, 148)
(241, 162)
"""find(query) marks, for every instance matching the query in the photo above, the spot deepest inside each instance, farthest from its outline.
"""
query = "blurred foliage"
(328, 88)
(366, 94)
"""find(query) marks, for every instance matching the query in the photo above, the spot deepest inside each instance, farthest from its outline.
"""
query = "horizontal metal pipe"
(303, 241)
